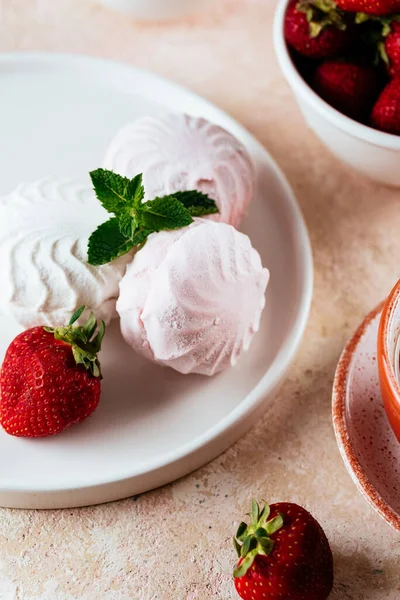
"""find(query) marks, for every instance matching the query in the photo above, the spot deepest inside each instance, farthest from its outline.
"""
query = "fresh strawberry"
(50, 378)
(370, 7)
(379, 36)
(315, 33)
(386, 112)
(391, 48)
(283, 555)
(349, 87)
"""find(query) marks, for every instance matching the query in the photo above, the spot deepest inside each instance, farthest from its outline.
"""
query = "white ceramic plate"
(57, 115)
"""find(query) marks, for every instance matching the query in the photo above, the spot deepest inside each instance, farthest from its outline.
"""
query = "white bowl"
(155, 9)
(374, 153)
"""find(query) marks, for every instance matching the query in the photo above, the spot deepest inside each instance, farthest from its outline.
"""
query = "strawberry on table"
(50, 378)
(386, 112)
(313, 32)
(370, 7)
(349, 87)
(283, 555)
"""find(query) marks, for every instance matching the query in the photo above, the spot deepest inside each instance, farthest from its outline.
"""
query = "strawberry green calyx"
(387, 24)
(84, 346)
(254, 539)
(374, 33)
(384, 22)
(321, 14)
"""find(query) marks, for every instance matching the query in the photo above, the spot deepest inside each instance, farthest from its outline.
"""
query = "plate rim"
(343, 440)
(281, 363)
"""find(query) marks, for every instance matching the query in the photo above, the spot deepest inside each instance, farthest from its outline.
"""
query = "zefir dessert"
(44, 275)
(177, 152)
(152, 247)
(192, 299)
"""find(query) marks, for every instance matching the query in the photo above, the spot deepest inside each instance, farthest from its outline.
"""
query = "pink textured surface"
(175, 543)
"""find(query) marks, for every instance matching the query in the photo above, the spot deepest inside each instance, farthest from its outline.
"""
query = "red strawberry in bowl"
(382, 37)
(283, 554)
(349, 87)
(390, 48)
(315, 33)
(50, 378)
(370, 7)
(386, 112)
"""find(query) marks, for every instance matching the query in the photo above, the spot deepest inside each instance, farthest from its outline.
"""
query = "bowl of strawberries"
(342, 61)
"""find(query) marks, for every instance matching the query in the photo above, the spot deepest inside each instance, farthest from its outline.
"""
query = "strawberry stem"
(76, 315)
(84, 346)
(322, 14)
(254, 539)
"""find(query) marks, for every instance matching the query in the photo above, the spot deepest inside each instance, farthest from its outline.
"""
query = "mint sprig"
(134, 220)
(165, 213)
(197, 203)
(107, 243)
(116, 193)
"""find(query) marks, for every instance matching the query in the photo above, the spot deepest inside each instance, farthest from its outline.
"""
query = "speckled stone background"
(175, 543)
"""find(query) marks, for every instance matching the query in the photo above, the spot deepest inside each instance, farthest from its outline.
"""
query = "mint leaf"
(127, 225)
(164, 213)
(141, 236)
(134, 219)
(197, 203)
(136, 191)
(117, 194)
(107, 243)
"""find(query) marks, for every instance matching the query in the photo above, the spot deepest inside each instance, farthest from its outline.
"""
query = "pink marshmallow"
(192, 299)
(177, 152)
